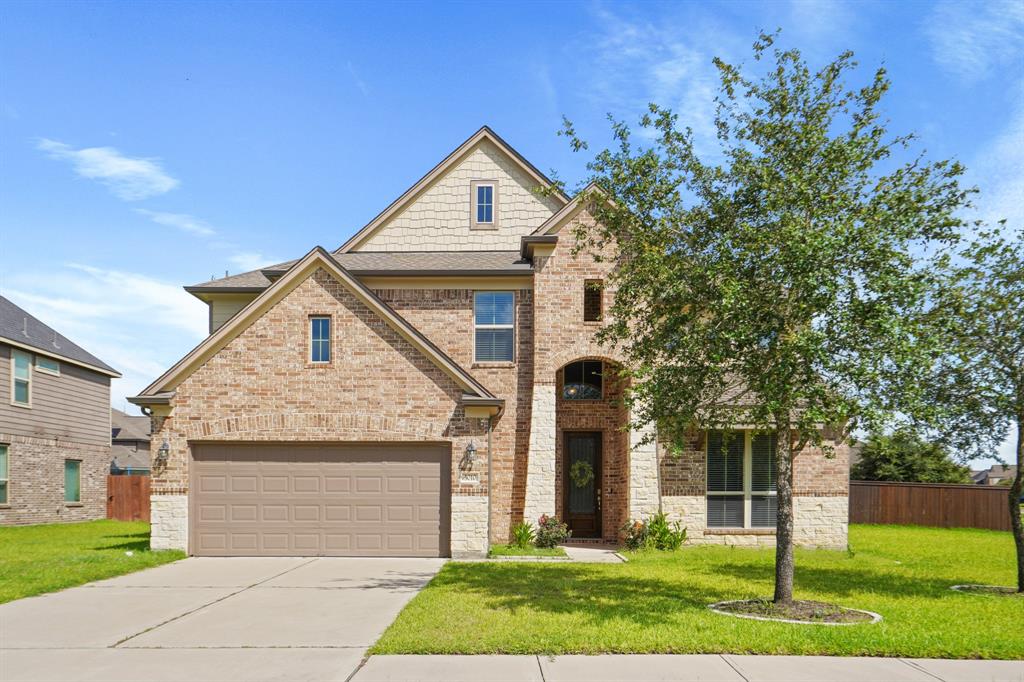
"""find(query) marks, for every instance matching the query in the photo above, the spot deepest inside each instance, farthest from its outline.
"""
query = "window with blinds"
(741, 480)
(493, 313)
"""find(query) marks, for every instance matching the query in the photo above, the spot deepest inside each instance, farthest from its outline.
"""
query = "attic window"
(320, 340)
(484, 204)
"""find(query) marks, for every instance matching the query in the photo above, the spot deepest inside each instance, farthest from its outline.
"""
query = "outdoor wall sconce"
(163, 452)
(471, 453)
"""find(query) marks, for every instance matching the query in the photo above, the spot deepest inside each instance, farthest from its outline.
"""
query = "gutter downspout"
(490, 485)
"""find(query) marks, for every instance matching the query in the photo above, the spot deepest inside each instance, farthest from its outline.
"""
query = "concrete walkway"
(212, 619)
(664, 668)
(593, 554)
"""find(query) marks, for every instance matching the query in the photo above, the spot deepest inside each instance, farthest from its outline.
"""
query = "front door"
(582, 474)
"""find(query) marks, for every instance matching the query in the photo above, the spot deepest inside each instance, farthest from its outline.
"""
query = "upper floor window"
(320, 339)
(493, 314)
(21, 378)
(485, 204)
(741, 480)
(47, 365)
(583, 380)
(592, 294)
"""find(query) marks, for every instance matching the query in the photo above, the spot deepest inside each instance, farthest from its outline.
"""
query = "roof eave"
(108, 371)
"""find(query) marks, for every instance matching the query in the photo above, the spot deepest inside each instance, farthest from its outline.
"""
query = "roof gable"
(485, 155)
(317, 258)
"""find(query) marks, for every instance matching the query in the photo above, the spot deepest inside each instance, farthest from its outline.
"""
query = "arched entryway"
(591, 462)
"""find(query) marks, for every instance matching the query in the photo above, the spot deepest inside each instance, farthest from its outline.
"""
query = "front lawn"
(657, 603)
(512, 550)
(45, 558)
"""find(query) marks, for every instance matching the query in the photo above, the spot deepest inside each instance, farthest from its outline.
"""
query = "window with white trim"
(484, 204)
(494, 327)
(741, 479)
(21, 378)
(320, 339)
(3, 474)
(47, 365)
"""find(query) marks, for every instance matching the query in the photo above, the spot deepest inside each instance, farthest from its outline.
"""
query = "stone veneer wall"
(469, 526)
(820, 497)
(35, 473)
(260, 387)
(168, 522)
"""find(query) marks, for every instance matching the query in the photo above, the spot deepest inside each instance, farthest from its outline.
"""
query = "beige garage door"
(316, 500)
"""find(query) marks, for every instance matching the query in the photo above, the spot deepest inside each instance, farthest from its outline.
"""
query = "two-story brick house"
(54, 424)
(430, 383)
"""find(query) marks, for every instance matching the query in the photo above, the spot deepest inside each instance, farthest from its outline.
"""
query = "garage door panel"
(279, 500)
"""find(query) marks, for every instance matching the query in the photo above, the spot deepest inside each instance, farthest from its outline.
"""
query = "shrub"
(522, 535)
(551, 532)
(656, 533)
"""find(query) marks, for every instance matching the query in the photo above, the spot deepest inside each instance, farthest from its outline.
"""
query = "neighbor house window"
(592, 290)
(3, 474)
(741, 480)
(484, 203)
(72, 480)
(21, 378)
(494, 329)
(47, 365)
(320, 339)
(583, 380)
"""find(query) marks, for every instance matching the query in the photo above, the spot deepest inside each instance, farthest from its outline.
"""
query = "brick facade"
(35, 493)
(379, 387)
(260, 387)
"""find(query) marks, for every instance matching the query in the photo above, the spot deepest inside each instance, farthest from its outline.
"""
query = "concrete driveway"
(212, 619)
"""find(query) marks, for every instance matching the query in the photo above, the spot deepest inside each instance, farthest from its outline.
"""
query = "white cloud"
(636, 62)
(251, 260)
(128, 178)
(998, 171)
(137, 324)
(181, 221)
(360, 83)
(969, 39)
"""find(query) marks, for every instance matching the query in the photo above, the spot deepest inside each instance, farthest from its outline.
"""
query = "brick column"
(540, 464)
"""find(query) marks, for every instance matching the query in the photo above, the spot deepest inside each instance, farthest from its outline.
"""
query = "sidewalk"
(665, 668)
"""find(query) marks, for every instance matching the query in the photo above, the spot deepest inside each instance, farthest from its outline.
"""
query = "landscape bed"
(658, 602)
(45, 558)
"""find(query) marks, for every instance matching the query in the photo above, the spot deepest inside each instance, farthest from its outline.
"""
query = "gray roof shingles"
(389, 263)
(18, 326)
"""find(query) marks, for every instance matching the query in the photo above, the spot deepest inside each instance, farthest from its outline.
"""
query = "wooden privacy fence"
(930, 504)
(128, 498)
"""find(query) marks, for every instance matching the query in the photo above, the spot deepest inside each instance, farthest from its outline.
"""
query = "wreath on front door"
(581, 473)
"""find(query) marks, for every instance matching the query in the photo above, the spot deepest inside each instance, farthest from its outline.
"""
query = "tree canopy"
(904, 456)
(778, 282)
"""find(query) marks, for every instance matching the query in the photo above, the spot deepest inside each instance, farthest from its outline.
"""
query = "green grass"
(657, 603)
(512, 550)
(45, 558)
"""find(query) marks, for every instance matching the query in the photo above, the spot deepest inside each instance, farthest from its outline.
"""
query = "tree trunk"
(1014, 500)
(784, 519)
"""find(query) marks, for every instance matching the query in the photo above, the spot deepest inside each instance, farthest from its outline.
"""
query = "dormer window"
(484, 204)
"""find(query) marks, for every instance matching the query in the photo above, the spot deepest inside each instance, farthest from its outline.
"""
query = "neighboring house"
(431, 382)
(54, 424)
(129, 443)
(997, 474)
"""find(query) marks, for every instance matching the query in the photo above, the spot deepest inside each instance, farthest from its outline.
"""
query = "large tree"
(774, 283)
(905, 456)
(976, 386)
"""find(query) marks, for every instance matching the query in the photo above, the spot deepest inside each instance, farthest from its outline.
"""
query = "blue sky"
(145, 146)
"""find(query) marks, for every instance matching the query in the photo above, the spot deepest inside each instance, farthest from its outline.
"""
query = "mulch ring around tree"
(991, 590)
(801, 611)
